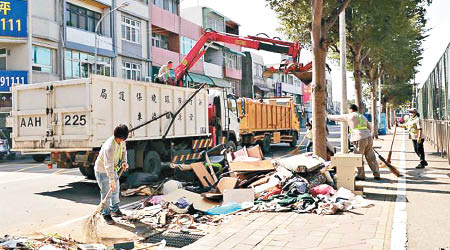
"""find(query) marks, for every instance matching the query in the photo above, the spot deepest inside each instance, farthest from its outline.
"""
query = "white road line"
(66, 223)
(399, 238)
(39, 175)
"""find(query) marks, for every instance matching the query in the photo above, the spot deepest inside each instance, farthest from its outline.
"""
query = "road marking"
(66, 223)
(23, 169)
(399, 238)
(36, 177)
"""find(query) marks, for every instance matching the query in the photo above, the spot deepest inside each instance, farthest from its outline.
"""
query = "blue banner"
(278, 89)
(13, 18)
(9, 78)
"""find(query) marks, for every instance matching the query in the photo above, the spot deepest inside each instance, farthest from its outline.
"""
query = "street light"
(123, 5)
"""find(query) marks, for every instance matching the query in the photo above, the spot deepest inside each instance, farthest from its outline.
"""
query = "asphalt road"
(34, 198)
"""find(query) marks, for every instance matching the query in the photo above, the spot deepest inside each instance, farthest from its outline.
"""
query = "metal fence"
(434, 105)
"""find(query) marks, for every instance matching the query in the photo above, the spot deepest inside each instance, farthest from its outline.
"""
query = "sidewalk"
(427, 219)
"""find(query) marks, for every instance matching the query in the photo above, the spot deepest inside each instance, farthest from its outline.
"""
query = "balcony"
(162, 56)
(164, 19)
(289, 88)
(86, 38)
(213, 70)
(233, 73)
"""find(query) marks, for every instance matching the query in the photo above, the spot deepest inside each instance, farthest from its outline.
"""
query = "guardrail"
(438, 133)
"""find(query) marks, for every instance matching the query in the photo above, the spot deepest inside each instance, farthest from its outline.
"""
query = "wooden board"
(241, 166)
(226, 183)
(202, 174)
(199, 202)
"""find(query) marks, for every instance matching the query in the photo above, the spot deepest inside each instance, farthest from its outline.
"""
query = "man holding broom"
(361, 138)
(111, 158)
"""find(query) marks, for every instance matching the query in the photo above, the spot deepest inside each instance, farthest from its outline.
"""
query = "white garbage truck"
(71, 119)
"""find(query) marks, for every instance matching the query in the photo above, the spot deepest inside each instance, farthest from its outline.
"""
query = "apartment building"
(222, 62)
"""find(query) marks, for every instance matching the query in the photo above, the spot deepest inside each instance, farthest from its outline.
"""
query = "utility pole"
(343, 54)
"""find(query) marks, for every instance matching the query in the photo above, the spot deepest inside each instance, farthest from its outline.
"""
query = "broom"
(393, 169)
(90, 225)
(295, 151)
(388, 160)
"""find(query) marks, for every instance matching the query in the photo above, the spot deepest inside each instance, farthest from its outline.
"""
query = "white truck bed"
(80, 114)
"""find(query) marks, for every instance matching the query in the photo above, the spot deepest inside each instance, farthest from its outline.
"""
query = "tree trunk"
(374, 109)
(357, 75)
(388, 115)
(318, 80)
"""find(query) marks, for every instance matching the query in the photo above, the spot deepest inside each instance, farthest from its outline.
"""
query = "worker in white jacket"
(361, 138)
(111, 158)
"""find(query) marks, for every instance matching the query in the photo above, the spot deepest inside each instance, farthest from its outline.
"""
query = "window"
(232, 61)
(160, 41)
(131, 30)
(258, 70)
(3, 55)
(42, 59)
(82, 18)
(290, 79)
(169, 5)
(215, 22)
(186, 45)
(131, 71)
(79, 64)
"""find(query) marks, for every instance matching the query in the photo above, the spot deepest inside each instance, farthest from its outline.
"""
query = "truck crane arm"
(253, 42)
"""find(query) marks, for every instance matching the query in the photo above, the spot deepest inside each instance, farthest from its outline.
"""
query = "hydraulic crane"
(253, 42)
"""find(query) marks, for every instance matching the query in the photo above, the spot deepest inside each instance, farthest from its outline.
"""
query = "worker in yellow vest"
(414, 127)
(111, 158)
(361, 138)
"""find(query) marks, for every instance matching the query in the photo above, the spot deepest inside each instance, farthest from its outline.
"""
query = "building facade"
(222, 61)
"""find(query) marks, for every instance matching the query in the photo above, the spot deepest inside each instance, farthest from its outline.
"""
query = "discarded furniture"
(346, 165)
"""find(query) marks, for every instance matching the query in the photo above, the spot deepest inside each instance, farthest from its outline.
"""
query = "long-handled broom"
(388, 160)
(90, 225)
(393, 169)
(295, 151)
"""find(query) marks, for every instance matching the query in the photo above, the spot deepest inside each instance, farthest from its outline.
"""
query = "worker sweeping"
(309, 136)
(361, 138)
(112, 157)
(414, 127)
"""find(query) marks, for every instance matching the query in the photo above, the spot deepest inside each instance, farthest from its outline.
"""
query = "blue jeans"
(112, 204)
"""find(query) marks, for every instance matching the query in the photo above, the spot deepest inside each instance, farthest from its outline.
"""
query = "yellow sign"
(5, 7)
(240, 42)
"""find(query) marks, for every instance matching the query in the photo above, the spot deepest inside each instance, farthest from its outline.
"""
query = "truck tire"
(231, 145)
(152, 163)
(294, 141)
(88, 172)
(266, 144)
(39, 158)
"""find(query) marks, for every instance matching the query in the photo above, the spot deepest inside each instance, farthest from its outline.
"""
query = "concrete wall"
(88, 39)
(164, 19)
(193, 14)
(17, 56)
(213, 70)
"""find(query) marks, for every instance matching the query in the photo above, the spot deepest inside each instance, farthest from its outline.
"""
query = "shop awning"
(236, 52)
(264, 89)
(198, 78)
(221, 83)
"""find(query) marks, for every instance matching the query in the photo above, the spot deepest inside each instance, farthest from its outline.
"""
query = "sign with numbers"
(9, 78)
(13, 18)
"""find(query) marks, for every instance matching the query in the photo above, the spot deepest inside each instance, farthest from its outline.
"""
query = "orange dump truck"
(268, 121)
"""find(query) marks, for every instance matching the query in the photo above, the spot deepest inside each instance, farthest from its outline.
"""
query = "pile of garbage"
(242, 182)
(57, 242)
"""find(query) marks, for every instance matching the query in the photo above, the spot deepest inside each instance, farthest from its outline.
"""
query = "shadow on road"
(86, 192)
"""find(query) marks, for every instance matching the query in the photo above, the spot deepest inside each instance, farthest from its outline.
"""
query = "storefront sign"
(13, 18)
(278, 89)
(9, 78)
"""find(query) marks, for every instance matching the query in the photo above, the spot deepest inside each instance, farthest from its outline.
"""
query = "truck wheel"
(266, 144)
(231, 145)
(152, 163)
(88, 172)
(293, 143)
(39, 158)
